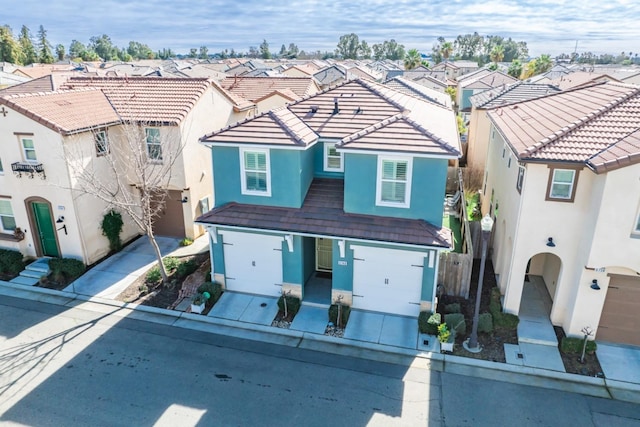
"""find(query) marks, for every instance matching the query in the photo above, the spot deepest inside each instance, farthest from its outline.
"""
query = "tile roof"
(48, 83)
(487, 81)
(508, 94)
(148, 99)
(361, 105)
(65, 112)
(579, 78)
(410, 87)
(254, 88)
(322, 214)
(596, 125)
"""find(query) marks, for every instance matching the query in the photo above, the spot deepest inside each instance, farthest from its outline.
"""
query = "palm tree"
(515, 69)
(412, 59)
(497, 54)
(446, 49)
(543, 64)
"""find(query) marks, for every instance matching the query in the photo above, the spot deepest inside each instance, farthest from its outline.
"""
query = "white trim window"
(333, 160)
(154, 147)
(28, 149)
(636, 230)
(7, 220)
(204, 205)
(520, 179)
(1, 167)
(255, 172)
(101, 142)
(562, 184)
(393, 186)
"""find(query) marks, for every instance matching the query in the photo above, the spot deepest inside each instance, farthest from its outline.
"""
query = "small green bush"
(333, 314)
(153, 275)
(66, 268)
(111, 227)
(485, 323)
(423, 321)
(501, 320)
(170, 263)
(455, 322)
(574, 346)
(452, 308)
(186, 242)
(185, 268)
(214, 289)
(433, 322)
(11, 262)
(293, 304)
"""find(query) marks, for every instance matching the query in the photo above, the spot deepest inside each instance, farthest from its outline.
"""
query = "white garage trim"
(252, 262)
(387, 280)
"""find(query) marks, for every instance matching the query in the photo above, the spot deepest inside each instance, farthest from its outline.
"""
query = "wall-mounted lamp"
(185, 199)
(550, 242)
(594, 285)
(60, 220)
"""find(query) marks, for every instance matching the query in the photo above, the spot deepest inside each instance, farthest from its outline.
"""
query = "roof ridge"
(431, 135)
(370, 128)
(274, 115)
(369, 85)
(506, 89)
(581, 121)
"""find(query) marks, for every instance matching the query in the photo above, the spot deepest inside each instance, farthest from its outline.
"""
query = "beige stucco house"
(43, 132)
(562, 181)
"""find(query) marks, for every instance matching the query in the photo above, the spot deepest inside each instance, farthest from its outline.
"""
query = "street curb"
(598, 387)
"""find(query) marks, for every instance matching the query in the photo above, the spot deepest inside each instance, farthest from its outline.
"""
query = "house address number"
(342, 262)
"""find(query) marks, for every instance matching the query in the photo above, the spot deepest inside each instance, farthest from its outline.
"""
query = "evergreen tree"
(60, 52)
(29, 55)
(76, 49)
(204, 52)
(264, 50)
(9, 47)
(45, 56)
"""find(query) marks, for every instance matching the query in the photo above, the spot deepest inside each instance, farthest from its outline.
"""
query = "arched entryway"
(43, 228)
(540, 285)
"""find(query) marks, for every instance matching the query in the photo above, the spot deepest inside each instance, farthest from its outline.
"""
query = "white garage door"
(619, 322)
(252, 263)
(387, 280)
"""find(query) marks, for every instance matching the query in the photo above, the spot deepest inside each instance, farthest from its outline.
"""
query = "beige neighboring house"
(562, 182)
(35, 71)
(580, 78)
(479, 124)
(82, 118)
(476, 82)
(270, 92)
(300, 70)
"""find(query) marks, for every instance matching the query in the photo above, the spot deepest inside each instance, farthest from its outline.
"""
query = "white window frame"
(12, 215)
(25, 149)
(340, 156)
(379, 180)
(635, 231)
(1, 167)
(243, 172)
(102, 147)
(204, 205)
(520, 179)
(149, 143)
(571, 185)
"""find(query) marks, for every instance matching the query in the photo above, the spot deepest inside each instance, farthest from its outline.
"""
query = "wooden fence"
(454, 270)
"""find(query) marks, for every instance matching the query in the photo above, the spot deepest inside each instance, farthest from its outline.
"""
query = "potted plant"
(199, 301)
(446, 337)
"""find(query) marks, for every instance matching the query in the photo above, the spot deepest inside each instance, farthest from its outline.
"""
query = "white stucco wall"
(479, 132)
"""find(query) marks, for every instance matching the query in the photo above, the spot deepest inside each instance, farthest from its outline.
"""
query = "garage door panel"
(619, 321)
(387, 280)
(253, 263)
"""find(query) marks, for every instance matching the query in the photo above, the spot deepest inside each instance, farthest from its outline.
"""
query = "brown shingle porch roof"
(322, 214)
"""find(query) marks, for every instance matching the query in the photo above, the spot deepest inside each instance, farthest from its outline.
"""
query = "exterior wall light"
(594, 285)
(550, 242)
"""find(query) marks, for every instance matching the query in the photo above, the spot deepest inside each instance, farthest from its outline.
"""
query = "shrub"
(574, 346)
(11, 262)
(170, 263)
(214, 289)
(444, 334)
(111, 227)
(455, 322)
(186, 242)
(293, 304)
(345, 311)
(66, 268)
(452, 308)
(185, 268)
(428, 322)
(153, 275)
(485, 323)
(207, 276)
(500, 319)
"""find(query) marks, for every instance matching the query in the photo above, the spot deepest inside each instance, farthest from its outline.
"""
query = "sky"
(548, 26)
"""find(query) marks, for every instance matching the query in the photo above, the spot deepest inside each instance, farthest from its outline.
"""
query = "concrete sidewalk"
(599, 387)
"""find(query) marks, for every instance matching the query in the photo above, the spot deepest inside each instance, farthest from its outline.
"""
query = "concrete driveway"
(619, 362)
(380, 328)
(113, 275)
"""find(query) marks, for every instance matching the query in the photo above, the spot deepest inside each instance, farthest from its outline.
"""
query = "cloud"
(549, 26)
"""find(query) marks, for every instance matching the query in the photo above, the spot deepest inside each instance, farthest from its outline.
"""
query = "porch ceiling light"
(594, 285)
(550, 242)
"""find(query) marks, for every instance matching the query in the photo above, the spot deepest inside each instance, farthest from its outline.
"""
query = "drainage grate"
(520, 355)
(425, 342)
(264, 304)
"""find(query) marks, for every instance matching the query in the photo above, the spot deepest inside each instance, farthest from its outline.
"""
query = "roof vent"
(358, 110)
(314, 109)
(336, 108)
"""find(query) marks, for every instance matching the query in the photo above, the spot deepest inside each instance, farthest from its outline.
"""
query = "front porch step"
(40, 265)
(34, 274)
(540, 332)
(22, 280)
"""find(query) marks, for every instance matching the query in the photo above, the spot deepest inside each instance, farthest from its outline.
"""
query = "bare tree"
(129, 167)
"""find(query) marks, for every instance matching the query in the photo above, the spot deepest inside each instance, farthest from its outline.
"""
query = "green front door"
(45, 232)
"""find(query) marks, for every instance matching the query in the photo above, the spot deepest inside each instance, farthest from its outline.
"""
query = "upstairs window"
(1, 168)
(636, 230)
(154, 149)
(7, 221)
(520, 180)
(255, 174)
(28, 149)
(562, 185)
(332, 158)
(101, 142)
(394, 182)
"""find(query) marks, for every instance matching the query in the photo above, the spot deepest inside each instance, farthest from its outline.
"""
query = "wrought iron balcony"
(30, 169)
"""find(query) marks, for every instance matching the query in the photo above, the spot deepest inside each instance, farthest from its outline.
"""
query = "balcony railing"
(30, 169)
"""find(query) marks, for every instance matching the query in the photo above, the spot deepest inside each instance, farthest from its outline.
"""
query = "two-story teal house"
(337, 197)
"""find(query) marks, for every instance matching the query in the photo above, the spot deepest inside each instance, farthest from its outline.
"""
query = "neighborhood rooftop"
(509, 94)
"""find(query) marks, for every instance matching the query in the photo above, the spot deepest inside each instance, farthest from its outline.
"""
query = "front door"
(324, 254)
(45, 232)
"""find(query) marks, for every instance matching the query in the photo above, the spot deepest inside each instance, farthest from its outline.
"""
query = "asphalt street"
(64, 366)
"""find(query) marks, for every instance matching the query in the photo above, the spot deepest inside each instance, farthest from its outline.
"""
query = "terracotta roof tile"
(322, 214)
(254, 88)
(517, 92)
